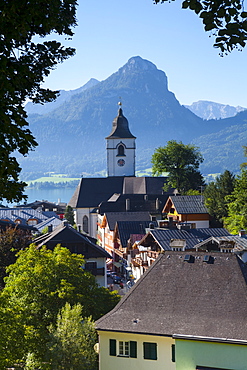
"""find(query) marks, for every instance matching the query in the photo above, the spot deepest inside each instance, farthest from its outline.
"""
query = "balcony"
(152, 254)
(97, 271)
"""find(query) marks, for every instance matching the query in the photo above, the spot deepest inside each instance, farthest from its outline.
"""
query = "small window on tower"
(121, 150)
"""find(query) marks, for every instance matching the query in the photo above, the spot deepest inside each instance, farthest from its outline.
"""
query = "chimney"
(79, 228)
(49, 228)
(127, 204)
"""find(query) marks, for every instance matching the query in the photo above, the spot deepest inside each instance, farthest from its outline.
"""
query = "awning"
(117, 264)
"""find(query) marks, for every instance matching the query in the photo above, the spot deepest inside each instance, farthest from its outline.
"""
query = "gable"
(186, 296)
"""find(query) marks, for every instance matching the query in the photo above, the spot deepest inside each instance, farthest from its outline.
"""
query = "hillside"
(72, 136)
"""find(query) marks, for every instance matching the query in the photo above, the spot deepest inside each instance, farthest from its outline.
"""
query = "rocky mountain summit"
(71, 135)
(210, 110)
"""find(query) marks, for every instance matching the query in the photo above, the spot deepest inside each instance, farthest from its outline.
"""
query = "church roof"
(91, 192)
(120, 127)
(186, 294)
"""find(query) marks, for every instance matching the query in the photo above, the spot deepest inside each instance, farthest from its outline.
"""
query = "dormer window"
(121, 151)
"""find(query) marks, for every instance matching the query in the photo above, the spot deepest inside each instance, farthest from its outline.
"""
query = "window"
(85, 224)
(173, 353)
(113, 349)
(120, 152)
(125, 348)
(150, 351)
(89, 266)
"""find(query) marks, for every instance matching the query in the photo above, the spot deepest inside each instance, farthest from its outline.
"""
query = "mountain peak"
(137, 63)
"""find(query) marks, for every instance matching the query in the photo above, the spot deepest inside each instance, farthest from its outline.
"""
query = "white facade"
(87, 220)
(121, 157)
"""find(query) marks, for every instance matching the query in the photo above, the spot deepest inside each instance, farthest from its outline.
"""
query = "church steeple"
(120, 126)
(120, 147)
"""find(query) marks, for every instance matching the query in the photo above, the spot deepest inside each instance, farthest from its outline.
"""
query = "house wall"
(101, 262)
(164, 353)
(190, 354)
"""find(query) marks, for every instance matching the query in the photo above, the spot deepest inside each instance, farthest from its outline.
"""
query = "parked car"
(117, 279)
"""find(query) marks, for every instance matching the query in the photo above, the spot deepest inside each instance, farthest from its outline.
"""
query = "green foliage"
(224, 19)
(182, 162)
(69, 215)
(25, 61)
(237, 205)
(215, 196)
(72, 340)
(39, 284)
(11, 241)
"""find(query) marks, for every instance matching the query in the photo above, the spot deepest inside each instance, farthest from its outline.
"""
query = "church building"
(91, 193)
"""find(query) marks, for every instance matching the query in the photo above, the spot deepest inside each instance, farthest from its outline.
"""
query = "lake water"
(52, 195)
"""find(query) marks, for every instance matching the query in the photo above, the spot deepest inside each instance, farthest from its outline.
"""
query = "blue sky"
(109, 32)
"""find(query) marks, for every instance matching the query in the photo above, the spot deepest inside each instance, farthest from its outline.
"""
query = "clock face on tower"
(121, 162)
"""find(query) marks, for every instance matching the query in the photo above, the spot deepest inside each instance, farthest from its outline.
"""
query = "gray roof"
(189, 204)
(54, 221)
(153, 203)
(91, 192)
(127, 228)
(178, 297)
(239, 243)
(113, 217)
(192, 236)
(120, 127)
(70, 238)
(24, 214)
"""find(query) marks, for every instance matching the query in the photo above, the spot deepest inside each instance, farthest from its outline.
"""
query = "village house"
(107, 223)
(66, 236)
(144, 252)
(187, 312)
(25, 216)
(188, 209)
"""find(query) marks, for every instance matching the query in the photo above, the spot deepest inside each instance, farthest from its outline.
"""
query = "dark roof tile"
(177, 297)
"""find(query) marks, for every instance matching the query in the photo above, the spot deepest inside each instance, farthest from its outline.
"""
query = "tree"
(215, 196)
(25, 60)
(40, 283)
(72, 340)
(69, 215)
(182, 162)
(237, 205)
(11, 241)
(225, 19)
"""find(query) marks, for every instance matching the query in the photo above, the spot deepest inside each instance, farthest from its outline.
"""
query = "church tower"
(120, 146)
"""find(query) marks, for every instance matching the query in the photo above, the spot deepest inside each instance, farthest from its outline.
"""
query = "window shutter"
(173, 353)
(133, 349)
(150, 351)
(113, 347)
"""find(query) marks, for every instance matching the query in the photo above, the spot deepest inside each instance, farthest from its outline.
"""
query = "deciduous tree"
(12, 240)
(215, 196)
(40, 283)
(182, 162)
(237, 205)
(72, 340)
(226, 20)
(69, 215)
(25, 60)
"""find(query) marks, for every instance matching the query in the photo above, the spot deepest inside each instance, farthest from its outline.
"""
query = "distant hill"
(71, 137)
(64, 96)
(210, 110)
